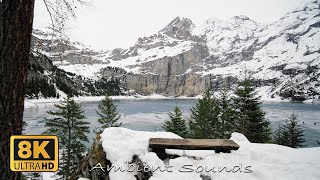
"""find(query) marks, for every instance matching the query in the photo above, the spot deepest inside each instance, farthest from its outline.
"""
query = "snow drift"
(251, 161)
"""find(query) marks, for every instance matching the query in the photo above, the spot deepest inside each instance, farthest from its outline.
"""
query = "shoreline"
(29, 103)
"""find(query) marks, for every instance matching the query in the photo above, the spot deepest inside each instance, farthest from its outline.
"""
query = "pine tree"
(250, 118)
(291, 134)
(226, 115)
(204, 120)
(108, 113)
(176, 124)
(71, 129)
(31, 176)
(277, 136)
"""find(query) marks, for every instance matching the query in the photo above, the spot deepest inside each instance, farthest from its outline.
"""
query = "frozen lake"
(150, 114)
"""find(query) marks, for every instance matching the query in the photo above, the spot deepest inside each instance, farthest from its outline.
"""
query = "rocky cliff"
(45, 80)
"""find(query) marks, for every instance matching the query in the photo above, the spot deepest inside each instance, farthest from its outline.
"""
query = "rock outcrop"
(95, 158)
(95, 165)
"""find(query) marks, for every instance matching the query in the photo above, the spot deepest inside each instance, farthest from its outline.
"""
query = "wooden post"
(161, 153)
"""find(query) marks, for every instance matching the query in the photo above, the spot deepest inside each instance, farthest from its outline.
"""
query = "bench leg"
(222, 151)
(160, 152)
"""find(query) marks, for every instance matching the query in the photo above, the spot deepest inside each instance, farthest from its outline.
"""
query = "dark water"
(149, 115)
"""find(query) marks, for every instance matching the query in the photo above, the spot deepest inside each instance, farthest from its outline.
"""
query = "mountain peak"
(179, 27)
(178, 21)
(308, 5)
(241, 17)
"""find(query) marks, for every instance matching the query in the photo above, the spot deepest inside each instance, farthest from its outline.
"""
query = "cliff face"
(170, 75)
(184, 85)
(185, 58)
(45, 80)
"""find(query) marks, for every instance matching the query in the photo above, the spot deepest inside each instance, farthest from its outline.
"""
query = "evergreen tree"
(278, 136)
(176, 124)
(226, 115)
(31, 176)
(291, 134)
(108, 113)
(250, 118)
(204, 121)
(71, 129)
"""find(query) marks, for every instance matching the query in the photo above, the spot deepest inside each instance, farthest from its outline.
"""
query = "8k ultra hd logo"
(34, 153)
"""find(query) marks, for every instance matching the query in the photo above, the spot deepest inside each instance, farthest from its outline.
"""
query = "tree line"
(218, 115)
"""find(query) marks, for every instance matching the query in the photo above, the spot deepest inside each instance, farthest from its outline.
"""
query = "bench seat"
(158, 145)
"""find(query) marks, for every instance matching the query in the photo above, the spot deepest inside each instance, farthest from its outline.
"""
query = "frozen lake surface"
(148, 115)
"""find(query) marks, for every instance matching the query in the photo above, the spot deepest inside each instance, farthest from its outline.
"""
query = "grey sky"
(118, 23)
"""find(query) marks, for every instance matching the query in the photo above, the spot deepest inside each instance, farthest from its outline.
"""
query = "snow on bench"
(158, 145)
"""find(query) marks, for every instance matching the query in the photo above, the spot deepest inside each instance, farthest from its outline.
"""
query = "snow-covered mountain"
(186, 58)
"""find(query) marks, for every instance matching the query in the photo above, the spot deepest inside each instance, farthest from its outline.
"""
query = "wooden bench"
(158, 145)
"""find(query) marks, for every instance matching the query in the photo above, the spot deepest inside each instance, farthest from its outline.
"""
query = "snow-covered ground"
(30, 103)
(252, 161)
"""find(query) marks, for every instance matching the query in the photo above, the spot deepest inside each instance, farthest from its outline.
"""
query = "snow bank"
(134, 97)
(35, 103)
(31, 103)
(252, 161)
(28, 104)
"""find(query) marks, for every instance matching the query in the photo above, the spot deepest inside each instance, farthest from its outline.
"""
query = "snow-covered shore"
(29, 103)
(252, 161)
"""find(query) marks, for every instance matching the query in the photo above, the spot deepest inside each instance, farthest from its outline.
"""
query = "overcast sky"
(118, 23)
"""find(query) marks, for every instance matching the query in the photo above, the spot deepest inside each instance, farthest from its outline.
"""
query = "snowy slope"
(185, 58)
(235, 34)
(282, 56)
(287, 51)
(251, 162)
